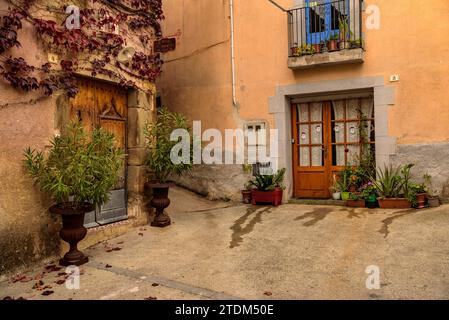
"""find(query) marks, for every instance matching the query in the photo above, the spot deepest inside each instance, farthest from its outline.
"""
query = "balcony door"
(329, 135)
(322, 18)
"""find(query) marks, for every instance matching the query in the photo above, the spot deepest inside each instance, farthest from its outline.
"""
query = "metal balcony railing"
(325, 26)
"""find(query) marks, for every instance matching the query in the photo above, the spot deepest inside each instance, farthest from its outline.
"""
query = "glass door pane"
(310, 135)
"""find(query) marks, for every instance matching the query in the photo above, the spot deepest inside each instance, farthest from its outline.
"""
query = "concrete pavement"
(216, 250)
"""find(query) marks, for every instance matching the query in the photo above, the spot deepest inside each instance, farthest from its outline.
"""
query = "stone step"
(318, 202)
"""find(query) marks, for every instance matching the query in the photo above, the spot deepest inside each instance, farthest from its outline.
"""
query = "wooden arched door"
(100, 104)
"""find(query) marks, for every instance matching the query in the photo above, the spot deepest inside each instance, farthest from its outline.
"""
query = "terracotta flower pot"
(434, 202)
(317, 48)
(273, 197)
(332, 45)
(247, 196)
(395, 203)
(355, 203)
(422, 200)
(294, 52)
(160, 202)
(73, 231)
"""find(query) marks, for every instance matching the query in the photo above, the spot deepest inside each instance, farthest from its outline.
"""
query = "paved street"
(215, 250)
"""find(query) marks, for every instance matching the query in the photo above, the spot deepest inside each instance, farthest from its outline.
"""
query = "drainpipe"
(234, 94)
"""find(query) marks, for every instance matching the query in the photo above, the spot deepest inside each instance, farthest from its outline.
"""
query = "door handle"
(325, 152)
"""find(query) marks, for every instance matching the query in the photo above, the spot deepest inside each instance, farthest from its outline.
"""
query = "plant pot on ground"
(269, 188)
(247, 194)
(77, 172)
(160, 162)
(394, 203)
(343, 183)
(369, 193)
(335, 189)
(356, 201)
(392, 184)
(336, 195)
(432, 199)
(417, 195)
(345, 196)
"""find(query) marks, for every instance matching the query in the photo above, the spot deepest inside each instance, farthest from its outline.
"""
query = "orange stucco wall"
(28, 232)
(411, 42)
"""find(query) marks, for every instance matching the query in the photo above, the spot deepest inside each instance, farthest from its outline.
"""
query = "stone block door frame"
(280, 108)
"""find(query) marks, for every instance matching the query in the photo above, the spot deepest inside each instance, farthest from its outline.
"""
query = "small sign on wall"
(165, 45)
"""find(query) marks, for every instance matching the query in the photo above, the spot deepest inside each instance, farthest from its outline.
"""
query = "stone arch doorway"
(103, 105)
(124, 113)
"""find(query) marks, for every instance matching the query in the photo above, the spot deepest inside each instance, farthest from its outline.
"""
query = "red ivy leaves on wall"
(93, 38)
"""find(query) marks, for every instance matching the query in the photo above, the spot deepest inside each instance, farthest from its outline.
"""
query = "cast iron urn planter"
(73, 231)
(160, 202)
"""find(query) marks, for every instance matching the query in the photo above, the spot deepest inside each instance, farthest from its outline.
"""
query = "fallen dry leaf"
(151, 298)
(52, 268)
(21, 278)
(38, 285)
(12, 298)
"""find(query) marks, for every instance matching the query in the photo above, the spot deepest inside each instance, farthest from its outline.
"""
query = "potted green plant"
(316, 47)
(78, 172)
(432, 198)
(417, 195)
(160, 163)
(268, 188)
(332, 42)
(304, 50)
(392, 187)
(356, 43)
(344, 33)
(369, 193)
(335, 189)
(247, 193)
(356, 200)
(344, 182)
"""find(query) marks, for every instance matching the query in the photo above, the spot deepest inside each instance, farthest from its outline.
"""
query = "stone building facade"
(28, 231)
(236, 63)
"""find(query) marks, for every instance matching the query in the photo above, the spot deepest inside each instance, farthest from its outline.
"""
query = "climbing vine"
(105, 28)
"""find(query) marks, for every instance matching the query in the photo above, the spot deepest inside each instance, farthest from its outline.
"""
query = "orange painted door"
(327, 136)
(100, 104)
(311, 163)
